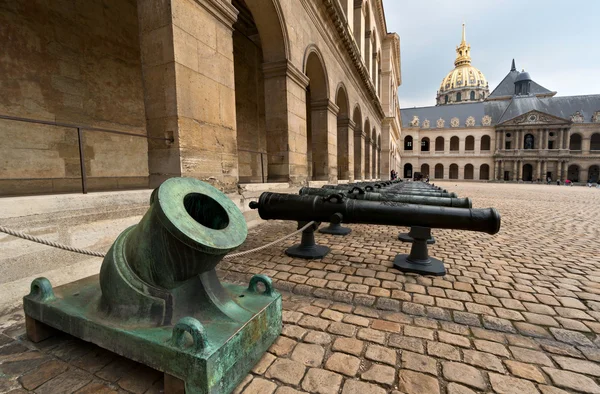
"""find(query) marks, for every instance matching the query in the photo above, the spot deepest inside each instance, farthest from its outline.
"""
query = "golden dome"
(464, 79)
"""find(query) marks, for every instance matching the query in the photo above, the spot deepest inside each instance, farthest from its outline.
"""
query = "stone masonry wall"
(74, 62)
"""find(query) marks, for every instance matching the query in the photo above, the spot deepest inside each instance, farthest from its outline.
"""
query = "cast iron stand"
(418, 261)
(308, 248)
(334, 226)
(405, 237)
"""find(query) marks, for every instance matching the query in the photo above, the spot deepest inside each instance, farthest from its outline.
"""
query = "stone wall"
(74, 63)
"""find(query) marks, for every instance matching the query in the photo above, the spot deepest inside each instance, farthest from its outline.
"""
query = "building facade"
(125, 94)
(519, 132)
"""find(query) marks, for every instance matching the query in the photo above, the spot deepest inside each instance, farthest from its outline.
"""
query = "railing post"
(82, 161)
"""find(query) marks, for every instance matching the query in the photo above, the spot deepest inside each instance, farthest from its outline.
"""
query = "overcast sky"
(556, 41)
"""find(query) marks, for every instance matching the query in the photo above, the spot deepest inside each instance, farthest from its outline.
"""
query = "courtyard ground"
(517, 312)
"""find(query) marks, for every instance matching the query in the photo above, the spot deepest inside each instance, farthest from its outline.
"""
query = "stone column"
(520, 170)
(544, 171)
(461, 172)
(559, 139)
(367, 155)
(538, 171)
(359, 26)
(324, 139)
(515, 170)
(559, 166)
(566, 139)
(374, 160)
(502, 140)
(494, 174)
(476, 173)
(498, 139)
(586, 143)
(359, 142)
(189, 89)
(285, 122)
(385, 162)
(368, 56)
(502, 170)
(346, 148)
(446, 172)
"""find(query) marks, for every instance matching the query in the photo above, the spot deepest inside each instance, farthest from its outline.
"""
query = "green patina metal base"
(214, 358)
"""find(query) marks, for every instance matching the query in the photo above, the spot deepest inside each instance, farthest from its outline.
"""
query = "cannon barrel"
(359, 194)
(321, 209)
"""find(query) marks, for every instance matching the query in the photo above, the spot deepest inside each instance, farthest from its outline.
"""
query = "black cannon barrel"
(419, 193)
(359, 194)
(321, 209)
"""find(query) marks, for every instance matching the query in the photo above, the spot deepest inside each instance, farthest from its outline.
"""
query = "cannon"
(305, 208)
(158, 299)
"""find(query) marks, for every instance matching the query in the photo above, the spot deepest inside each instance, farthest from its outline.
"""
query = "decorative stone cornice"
(325, 104)
(285, 68)
(223, 10)
(339, 20)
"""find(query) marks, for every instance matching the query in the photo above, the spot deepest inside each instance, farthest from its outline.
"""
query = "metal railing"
(80, 139)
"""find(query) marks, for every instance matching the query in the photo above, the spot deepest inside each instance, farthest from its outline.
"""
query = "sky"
(556, 41)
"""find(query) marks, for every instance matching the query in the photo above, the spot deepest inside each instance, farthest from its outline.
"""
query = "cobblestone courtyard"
(518, 312)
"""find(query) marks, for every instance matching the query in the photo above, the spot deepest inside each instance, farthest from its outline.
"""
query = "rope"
(100, 254)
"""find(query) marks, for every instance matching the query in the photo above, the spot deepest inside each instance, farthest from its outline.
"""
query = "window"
(507, 145)
(472, 95)
(458, 97)
(446, 99)
(550, 144)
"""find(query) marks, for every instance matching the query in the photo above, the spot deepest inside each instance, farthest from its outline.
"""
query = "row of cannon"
(418, 205)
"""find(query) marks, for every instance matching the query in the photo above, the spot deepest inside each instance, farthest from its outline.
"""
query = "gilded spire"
(463, 51)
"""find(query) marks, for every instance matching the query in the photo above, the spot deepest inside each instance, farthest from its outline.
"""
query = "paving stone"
(454, 339)
(356, 320)
(260, 386)
(572, 381)
(332, 315)
(294, 332)
(389, 326)
(282, 346)
(407, 343)
(97, 387)
(139, 379)
(321, 381)
(443, 350)
(531, 356)
(551, 390)
(455, 388)
(317, 337)
(288, 390)
(571, 337)
(337, 328)
(309, 355)
(467, 318)
(415, 383)
(507, 385)
(42, 374)
(348, 345)
(498, 324)
(370, 335)
(576, 365)
(419, 362)
(67, 382)
(491, 347)
(419, 332)
(483, 360)
(287, 371)
(559, 348)
(22, 363)
(380, 374)
(463, 373)
(526, 371)
(314, 323)
(381, 354)
(343, 363)
(265, 361)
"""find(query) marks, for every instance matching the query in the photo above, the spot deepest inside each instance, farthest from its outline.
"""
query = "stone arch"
(345, 133)
(425, 144)
(469, 171)
(595, 142)
(367, 165)
(484, 172)
(439, 144)
(359, 143)
(485, 143)
(261, 146)
(425, 170)
(594, 173)
(573, 173)
(439, 171)
(575, 141)
(527, 172)
(317, 107)
(454, 141)
(470, 143)
(453, 171)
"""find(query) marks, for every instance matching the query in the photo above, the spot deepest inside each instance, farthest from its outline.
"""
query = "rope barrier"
(43, 241)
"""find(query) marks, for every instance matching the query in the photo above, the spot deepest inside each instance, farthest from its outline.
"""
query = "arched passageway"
(367, 165)
(594, 174)
(316, 117)
(453, 171)
(425, 170)
(408, 168)
(527, 173)
(573, 173)
(484, 172)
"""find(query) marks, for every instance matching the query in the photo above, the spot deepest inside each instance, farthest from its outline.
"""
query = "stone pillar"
(560, 139)
(538, 171)
(515, 170)
(559, 166)
(494, 174)
(346, 149)
(386, 162)
(544, 139)
(502, 140)
(324, 139)
(498, 139)
(285, 122)
(586, 143)
(446, 172)
(189, 89)
(476, 173)
(367, 139)
(502, 170)
(359, 142)
(368, 52)
(520, 170)
(583, 174)
(374, 159)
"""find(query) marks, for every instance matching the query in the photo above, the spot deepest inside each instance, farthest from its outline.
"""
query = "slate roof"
(507, 87)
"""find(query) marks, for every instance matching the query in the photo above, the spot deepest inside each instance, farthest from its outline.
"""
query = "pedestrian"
(548, 180)
(558, 182)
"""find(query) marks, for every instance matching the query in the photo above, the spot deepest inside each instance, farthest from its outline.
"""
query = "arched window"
(453, 171)
(528, 142)
(573, 173)
(439, 144)
(484, 172)
(439, 171)
(408, 170)
(458, 97)
(595, 142)
(470, 143)
(408, 142)
(469, 170)
(454, 143)
(472, 95)
(425, 144)
(575, 142)
(425, 170)
(485, 142)
(446, 99)
(594, 174)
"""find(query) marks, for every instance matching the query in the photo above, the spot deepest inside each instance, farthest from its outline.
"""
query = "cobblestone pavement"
(518, 312)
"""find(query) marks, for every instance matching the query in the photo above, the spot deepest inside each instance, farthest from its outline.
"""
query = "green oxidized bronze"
(158, 282)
